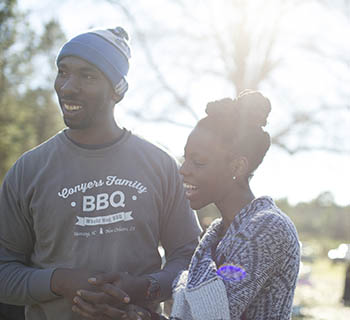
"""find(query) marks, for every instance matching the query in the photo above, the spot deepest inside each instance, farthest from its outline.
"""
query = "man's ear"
(116, 97)
(239, 166)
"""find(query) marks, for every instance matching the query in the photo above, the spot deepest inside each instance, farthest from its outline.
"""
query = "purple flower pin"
(230, 272)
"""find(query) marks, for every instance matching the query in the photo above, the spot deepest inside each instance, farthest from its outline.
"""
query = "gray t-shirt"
(105, 209)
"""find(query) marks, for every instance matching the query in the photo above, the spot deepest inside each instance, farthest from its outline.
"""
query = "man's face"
(85, 95)
(206, 169)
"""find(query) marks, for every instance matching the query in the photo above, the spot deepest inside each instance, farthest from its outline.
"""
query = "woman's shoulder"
(266, 212)
(272, 223)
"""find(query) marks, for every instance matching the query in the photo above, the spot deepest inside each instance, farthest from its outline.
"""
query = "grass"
(319, 297)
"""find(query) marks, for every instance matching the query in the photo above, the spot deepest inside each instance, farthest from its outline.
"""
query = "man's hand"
(114, 291)
(129, 312)
(134, 312)
(117, 284)
(65, 282)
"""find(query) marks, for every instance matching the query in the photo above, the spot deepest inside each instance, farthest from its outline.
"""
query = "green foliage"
(320, 219)
(28, 111)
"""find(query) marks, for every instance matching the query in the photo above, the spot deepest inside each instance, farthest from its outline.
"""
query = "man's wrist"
(56, 281)
(153, 289)
(39, 285)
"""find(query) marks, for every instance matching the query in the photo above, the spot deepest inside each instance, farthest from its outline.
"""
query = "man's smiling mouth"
(72, 107)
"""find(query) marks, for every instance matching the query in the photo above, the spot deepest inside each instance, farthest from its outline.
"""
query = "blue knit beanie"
(108, 50)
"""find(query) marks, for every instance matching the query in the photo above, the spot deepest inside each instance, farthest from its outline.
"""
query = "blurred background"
(186, 53)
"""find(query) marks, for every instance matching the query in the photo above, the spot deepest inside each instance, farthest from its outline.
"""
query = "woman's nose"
(183, 169)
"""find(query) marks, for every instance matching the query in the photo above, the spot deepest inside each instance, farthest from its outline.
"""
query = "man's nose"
(71, 85)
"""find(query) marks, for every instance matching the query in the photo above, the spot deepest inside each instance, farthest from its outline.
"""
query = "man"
(10, 312)
(92, 199)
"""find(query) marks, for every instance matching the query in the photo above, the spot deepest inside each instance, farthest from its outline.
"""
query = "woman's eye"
(198, 163)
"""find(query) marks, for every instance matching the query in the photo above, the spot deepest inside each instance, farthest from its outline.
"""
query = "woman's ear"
(239, 166)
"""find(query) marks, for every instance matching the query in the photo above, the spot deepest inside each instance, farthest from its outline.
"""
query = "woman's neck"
(233, 203)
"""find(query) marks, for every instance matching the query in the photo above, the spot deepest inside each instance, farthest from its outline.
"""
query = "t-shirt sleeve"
(179, 224)
(177, 261)
(179, 230)
(16, 230)
(19, 283)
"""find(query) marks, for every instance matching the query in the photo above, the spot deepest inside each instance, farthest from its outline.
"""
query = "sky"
(301, 177)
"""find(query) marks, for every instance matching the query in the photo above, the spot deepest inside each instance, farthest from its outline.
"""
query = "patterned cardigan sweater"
(263, 243)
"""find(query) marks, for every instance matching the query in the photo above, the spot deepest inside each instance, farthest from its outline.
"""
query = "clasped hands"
(104, 296)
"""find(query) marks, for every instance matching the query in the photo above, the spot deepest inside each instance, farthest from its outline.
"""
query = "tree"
(321, 218)
(28, 113)
(232, 45)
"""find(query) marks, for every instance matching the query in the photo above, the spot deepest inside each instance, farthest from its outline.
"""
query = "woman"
(247, 263)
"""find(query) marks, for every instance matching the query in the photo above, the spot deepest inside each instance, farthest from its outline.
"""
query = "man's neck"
(94, 136)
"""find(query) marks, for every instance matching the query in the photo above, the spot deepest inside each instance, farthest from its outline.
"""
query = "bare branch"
(181, 101)
(245, 57)
(303, 148)
(141, 116)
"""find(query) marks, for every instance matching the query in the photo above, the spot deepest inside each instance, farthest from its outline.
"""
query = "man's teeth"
(71, 107)
(189, 186)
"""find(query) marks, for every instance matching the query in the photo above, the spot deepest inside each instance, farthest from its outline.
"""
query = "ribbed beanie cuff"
(107, 50)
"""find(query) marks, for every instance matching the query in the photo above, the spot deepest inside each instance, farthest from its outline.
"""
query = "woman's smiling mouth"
(190, 189)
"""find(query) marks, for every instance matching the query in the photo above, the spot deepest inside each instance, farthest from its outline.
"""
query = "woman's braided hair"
(240, 123)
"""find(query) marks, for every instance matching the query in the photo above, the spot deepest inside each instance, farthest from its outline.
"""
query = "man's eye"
(62, 72)
(89, 77)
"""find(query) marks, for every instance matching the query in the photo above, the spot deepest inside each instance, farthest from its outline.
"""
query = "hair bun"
(220, 107)
(254, 107)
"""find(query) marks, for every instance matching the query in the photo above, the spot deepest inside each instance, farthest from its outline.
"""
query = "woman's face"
(206, 169)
